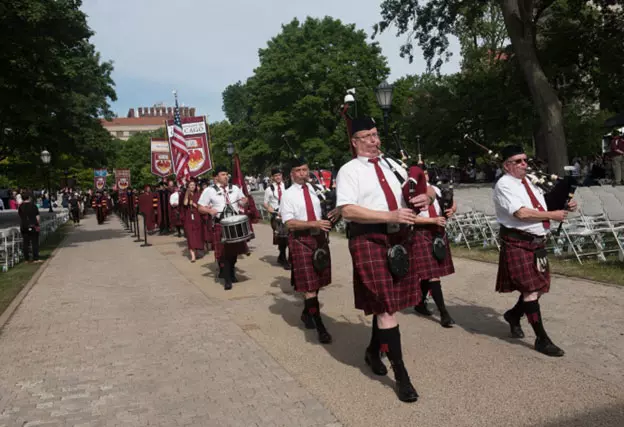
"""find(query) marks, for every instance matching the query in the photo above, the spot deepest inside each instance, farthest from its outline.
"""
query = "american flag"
(179, 150)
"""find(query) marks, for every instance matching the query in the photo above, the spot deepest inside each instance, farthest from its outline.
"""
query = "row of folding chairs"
(12, 243)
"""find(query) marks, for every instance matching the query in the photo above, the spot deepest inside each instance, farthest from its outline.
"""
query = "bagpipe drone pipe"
(558, 191)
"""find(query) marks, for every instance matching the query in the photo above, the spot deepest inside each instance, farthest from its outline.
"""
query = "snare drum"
(236, 229)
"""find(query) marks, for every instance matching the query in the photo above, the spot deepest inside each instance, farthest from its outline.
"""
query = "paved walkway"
(140, 336)
(111, 335)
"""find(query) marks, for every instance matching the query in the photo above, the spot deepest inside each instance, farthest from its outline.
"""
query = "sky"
(199, 47)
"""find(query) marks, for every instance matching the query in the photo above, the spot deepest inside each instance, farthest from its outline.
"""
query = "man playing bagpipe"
(308, 244)
(385, 279)
(432, 252)
(524, 221)
(220, 200)
(272, 199)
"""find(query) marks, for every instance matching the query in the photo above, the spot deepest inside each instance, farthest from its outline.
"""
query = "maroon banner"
(161, 157)
(99, 179)
(122, 179)
(197, 136)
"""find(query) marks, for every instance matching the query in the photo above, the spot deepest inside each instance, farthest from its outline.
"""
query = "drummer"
(272, 199)
(221, 199)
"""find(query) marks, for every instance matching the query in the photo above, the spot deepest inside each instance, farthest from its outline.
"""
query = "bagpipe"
(558, 191)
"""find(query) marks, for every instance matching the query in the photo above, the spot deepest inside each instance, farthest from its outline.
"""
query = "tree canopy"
(53, 83)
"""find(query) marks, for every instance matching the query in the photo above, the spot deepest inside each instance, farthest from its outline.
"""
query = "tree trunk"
(519, 24)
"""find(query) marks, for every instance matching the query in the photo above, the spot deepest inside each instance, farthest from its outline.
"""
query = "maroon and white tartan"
(228, 250)
(375, 290)
(421, 247)
(304, 276)
(517, 270)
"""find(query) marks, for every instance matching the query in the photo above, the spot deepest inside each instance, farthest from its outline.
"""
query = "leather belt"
(522, 235)
(304, 233)
(355, 229)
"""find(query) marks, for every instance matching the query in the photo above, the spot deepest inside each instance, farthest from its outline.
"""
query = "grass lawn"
(611, 271)
(12, 282)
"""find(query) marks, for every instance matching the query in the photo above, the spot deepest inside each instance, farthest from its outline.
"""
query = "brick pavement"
(112, 335)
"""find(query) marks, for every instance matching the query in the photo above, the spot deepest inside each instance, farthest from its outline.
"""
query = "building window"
(119, 134)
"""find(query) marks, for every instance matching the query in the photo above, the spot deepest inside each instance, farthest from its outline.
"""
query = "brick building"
(143, 119)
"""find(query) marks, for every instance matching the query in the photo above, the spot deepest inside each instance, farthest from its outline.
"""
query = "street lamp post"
(46, 157)
(383, 92)
(230, 151)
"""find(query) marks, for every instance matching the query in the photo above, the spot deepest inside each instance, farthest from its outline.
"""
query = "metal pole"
(49, 192)
(385, 113)
(136, 226)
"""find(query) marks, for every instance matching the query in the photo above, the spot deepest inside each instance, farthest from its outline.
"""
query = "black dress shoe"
(546, 346)
(324, 337)
(228, 286)
(308, 321)
(234, 279)
(404, 389)
(422, 309)
(286, 265)
(446, 320)
(514, 325)
(373, 359)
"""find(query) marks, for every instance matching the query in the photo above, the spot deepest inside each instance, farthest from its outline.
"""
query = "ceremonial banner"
(99, 179)
(196, 133)
(122, 179)
(161, 157)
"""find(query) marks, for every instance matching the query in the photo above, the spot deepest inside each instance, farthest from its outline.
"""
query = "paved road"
(111, 335)
(140, 336)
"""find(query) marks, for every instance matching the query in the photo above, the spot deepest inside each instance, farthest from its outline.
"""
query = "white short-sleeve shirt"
(293, 203)
(271, 195)
(216, 198)
(509, 196)
(357, 184)
(174, 199)
(425, 212)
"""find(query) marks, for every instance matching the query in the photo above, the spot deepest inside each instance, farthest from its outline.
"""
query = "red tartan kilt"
(422, 250)
(208, 231)
(303, 275)
(517, 270)
(375, 290)
(229, 250)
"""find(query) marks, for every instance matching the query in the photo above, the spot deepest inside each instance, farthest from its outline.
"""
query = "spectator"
(29, 227)
(18, 197)
(1, 204)
(13, 201)
(617, 156)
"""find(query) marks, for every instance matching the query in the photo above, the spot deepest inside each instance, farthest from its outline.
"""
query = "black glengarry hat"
(362, 123)
(218, 170)
(275, 171)
(296, 162)
(511, 150)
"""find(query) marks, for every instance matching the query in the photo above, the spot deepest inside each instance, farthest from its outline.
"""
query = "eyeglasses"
(518, 161)
(369, 136)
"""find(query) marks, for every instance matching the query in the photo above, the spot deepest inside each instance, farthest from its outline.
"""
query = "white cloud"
(201, 46)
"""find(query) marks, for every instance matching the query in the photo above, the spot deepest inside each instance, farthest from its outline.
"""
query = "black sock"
(313, 309)
(438, 297)
(227, 271)
(424, 287)
(390, 343)
(517, 310)
(532, 310)
(282, 253)
(374, 342)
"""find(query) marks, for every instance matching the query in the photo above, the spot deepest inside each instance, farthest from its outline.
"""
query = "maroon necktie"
(392, 204)
(536, 204)
(308, 203)
(225, 193)
(279, 193)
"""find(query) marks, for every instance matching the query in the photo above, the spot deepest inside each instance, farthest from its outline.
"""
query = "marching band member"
(216, 200)
(272, 199)
(193, 225)
(370, 198)
(300, 209)
(523, 265)
(175, 210)
(433, 256)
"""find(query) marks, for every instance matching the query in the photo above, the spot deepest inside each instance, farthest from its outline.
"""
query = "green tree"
(236, 102)
(53, 84)
(134, 154)
(430, 23)
(295, 93)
